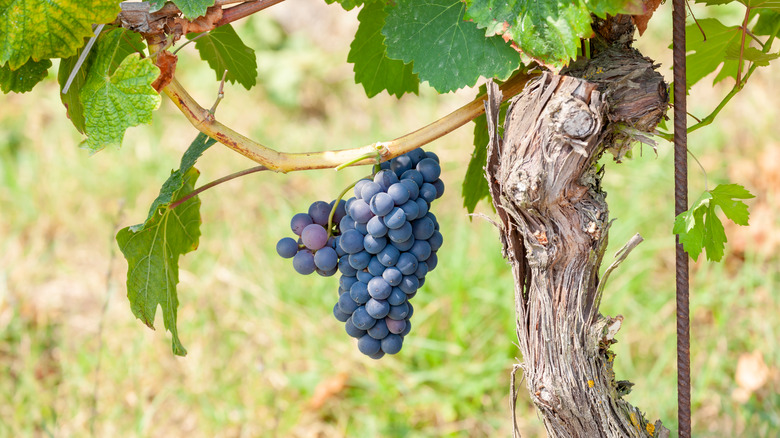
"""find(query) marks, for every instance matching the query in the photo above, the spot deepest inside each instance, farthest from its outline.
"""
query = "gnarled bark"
(546, 189)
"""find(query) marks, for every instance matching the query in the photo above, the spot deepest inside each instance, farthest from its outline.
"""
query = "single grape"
(395, 326)
(346, 282)
(397, 297)
(395, 218)
(378, 309)
(319, 211)
(369, 190)
(346, 223)
(364, 275)
(416, 155)
(428, 192)
(432, 217)
(328, 273)
(432, 261)
(314, 236)
(344, 267)
(399, 193)
(326, 259)
(400, 164)
(361, 228)
(287, 247)
(422, 282)
(368, 345)
(388, 256)
(432, 156)
(393, 276)
(374, 244)
(439, 186)
(398, 312)
(411, 209)
(409, 284)
(381, 204)
(401, 234)
(407, 263)
(379, 354)
(375, 267)
(341, 316)
(411, 311)
(359, 292)
(341, 210)
(361, 319)
(378, 288)
(391, 344)
(379, 330)
(376, 227)
(421, 249)
(299, 222)
(406, 244)
(422, 229)
(422, 270)
(359, 260)
(429, 169)
(412, 187)
(360, 211)
(351, 241)
(413, 175)
(353, 331)
(359, 188)
(408, 327)
(422, 206)
(385, 178)
(347, 304)
(339, 251)
(303, 262)
(436, 241)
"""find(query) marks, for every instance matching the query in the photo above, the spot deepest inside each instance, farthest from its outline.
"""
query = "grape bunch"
(314, 251)
(387, 245)
(383, 241)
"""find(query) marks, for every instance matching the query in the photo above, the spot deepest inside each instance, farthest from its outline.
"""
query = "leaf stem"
(336, 204)
(220, 94)
(288, 162)
(190, 41)
(742, 46)
(216, 182)
(706, 187)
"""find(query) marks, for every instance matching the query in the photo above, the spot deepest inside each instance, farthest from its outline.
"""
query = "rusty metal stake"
(680, 205)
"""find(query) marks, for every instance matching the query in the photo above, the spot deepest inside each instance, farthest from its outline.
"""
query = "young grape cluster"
(385, 242)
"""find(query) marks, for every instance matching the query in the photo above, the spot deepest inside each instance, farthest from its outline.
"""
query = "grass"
(266, 358)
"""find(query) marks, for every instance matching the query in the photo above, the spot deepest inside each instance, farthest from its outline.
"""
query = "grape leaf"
(130, 42)
(475, 187)
(707, 55)
(700, 228)
(116, 97)
(373, 69)
(48, 29)
(546, 30)
(348, 5)
(152, 249)
(223, 49)
(768, 22)
(751, 54)
(191, 9)
(446, 51)
(25, 77)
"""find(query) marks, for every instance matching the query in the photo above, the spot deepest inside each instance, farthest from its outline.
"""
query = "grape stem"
(289, 162)
(216, 182)
(336, 204)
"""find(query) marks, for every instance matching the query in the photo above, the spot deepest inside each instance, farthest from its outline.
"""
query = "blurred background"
(266, 357)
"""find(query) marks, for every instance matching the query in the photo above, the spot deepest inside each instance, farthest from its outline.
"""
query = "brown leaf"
(649, 7)
(328, 389)
(166, 61)
(201, 24)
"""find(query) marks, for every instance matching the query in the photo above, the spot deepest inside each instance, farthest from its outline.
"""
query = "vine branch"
(204, 122)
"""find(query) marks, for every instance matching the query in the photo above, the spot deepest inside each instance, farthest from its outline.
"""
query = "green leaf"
(130, 42)
(24, 78)
(708, 55)
(116, 97)
(48, 29)
(152, 249)
(446, 51)
(223, 49)
(751, 54)
(546, 30)
(348, 5)
(373, 69)
(700, 228)
(191, 9)
(475, 187)
(768, 22)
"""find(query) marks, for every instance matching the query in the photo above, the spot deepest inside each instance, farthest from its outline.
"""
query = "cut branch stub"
(546, 190)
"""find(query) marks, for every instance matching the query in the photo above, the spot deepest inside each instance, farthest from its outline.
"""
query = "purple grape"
(346, 223)
(303, 262)
(362, 319)
(353, 331)
(396, 218)
(428, 192)
(314, 236)
(439, 185)
(432, 261)
(368, 345)
(376, 227)
(287, 247)
(381, 204)
(359, 260)
(397, 297)
(369, 190)
(436, 241)
(407, 263)
(351, 241)
(359, 293)
(422, 270)
(391, 344)
(401, 234)
(319, 211)
(379, 330)
(408, 327)
(299, 222)
(360, 211)
(406, 244)
(375, 267)
(421, 249)
(379, 354)
(416, 155)
(411, 210)
(378, 288)
(399, 192)
(378, 309)
(359, 187)
(344, 267)
(388, 256)
(400, 164)
(341, 210)
(429, 169)
(346, 282)
(341, 316)
(422, 206)
(398, 312)
(422, 229)
(326, 259)
(414, 176)
(361, 228)
(385, 178)
(347, 304)
(393, 276)
(409, 284)
(432, 156)
(328, 273)
(395, 326)
(365, 276)
(374, 244)
(435, 221)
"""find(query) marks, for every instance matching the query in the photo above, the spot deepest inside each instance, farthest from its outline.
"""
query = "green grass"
(261, 339)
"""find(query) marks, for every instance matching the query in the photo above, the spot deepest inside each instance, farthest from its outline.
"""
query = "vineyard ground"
(265, 356)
